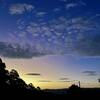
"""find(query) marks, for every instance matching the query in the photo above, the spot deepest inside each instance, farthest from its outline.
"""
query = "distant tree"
(0, 60)
(99, 80)
(31, 86)
(21, 83)
(74, 89)
(14, 74)
(38, 88)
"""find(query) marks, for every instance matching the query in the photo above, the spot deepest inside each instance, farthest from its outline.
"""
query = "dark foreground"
(18, 94)
(13, 87)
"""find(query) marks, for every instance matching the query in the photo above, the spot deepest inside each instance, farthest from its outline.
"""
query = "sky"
(52, 43)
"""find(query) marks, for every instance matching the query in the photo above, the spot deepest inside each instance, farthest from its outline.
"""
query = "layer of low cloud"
(17, 51)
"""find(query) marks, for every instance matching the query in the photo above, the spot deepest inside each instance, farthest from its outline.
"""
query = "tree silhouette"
(99, 80)
(11, 84)
(38, 88)
(4, 74)
(31, 86)
(14, 74)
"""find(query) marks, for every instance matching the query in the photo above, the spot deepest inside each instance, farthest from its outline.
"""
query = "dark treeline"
(13, 87)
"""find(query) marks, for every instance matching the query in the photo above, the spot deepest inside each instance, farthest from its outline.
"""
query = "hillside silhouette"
(12, 86)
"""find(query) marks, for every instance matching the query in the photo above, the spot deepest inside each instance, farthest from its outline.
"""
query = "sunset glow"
(52, 43)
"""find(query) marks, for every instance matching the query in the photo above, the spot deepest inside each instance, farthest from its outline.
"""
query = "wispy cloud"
(44, 81)
(63, 78)
(18, 8)
(63, 0)
(82, 3)
(64, 81)
(40, 14)
(56, 9)
(33, 74)
(71, 5)
(90, 73)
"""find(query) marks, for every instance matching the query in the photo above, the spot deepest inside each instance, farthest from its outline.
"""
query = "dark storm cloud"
(90, 73)
(17, 51)
(34, 74)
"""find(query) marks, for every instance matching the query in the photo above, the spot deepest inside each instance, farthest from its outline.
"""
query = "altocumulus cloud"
(18, 8)
(84, 44)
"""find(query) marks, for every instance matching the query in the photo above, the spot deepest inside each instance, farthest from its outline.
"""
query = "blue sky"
(66, 31)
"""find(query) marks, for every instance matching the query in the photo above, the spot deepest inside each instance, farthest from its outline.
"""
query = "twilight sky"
(52, 43)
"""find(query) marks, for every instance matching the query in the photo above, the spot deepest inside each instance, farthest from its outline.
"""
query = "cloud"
(64, 79)
(90, 73)
(57, 36)
(89, 46)
(82, 3)
(40, 14)
(17, 51)
(33, 74)
(56, 9)
(44, 81)
(16, 9)
(71, 5)
(63, 0)
(75, 34)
